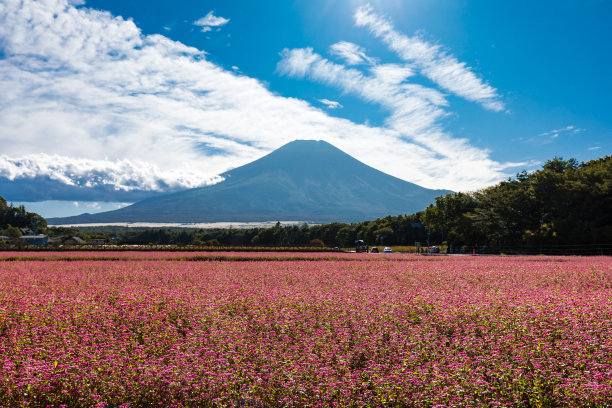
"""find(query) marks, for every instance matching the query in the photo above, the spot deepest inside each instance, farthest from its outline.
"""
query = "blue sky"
(124, 99)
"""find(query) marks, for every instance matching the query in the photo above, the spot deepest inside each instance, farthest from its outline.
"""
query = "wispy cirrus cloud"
(209, 21)
(551, 136)
(352, 53)
(90, 104)
(331, 104)
(432, 60)
(415, 104)
(415, 110)
(555, 133)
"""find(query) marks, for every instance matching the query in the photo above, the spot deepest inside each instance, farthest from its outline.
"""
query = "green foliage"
(13, 232)
(565, 204)
(18, 217)
(316, 243)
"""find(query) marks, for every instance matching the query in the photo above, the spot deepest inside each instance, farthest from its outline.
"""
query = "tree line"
(564, 207)
(396, 230)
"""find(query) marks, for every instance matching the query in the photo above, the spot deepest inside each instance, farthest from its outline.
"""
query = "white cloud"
(123, 174)
(331, 104)
(87, 99)
(209, 21)
(414, 109)
(351, 53)
(432, 60)
(571, 130)
(552, 135)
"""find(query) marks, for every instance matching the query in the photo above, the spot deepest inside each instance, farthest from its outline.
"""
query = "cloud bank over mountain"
(91, 105)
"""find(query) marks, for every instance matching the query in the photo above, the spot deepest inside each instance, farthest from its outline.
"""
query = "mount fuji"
(304, 180)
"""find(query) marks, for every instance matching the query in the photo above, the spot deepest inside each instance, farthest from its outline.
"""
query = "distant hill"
(305, 180)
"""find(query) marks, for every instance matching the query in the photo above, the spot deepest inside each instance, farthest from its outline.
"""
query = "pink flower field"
(301, 331)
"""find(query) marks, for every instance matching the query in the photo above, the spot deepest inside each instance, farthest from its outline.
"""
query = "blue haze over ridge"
(304, 180)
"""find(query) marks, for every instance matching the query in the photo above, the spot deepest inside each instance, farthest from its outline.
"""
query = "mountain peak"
(307, 143)
(298, 156)
(307, 147)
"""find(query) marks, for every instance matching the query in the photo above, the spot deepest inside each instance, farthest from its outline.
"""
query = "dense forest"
(565, 207)
(13, 218)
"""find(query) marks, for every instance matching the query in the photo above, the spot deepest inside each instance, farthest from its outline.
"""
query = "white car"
(387, 250)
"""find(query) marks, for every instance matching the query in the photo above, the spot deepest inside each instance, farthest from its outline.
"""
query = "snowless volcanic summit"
(305, 180)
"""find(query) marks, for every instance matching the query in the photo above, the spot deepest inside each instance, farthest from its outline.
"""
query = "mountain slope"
(304, 180)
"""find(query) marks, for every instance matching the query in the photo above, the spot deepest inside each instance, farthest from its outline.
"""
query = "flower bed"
(417, 331)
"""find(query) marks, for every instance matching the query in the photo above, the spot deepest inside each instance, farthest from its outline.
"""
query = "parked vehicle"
(374, 250)
(360, 246)
(387, 250)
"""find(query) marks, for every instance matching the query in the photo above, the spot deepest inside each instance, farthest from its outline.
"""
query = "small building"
(40, 239)
(5, 238)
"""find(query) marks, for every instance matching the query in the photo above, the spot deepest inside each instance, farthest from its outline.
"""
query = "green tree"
(452, 214)
(13, 232)
(384, 235)
(345, 237)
